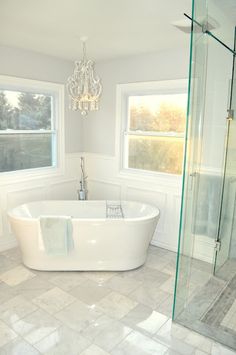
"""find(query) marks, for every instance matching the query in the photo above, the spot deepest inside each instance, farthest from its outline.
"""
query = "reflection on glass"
(24, 110)
(25, 151)
(158, 113)
(155, 136)
(163, 154)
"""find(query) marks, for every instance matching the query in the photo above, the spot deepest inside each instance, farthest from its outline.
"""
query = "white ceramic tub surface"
(100, 243)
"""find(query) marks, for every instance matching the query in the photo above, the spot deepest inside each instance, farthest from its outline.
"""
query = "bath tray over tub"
(114, 210)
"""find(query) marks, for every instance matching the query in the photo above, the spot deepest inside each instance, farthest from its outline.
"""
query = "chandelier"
(84, 87)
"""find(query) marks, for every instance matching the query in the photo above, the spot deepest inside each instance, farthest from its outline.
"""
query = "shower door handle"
(192, 175)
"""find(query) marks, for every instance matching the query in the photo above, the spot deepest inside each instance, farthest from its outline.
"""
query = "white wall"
(95, 135)
(99, 127)
(30, 65)
(20, 63)
(99, 130)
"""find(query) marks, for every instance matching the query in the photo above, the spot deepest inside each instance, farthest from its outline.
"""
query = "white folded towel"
(56, 234)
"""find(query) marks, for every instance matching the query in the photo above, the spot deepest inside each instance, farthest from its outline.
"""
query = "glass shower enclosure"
(205, 288)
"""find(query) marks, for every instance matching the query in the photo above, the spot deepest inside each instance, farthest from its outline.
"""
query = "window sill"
(20, 176)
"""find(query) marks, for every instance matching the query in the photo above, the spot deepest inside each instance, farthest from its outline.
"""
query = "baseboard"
(203, 248)
(163, 245)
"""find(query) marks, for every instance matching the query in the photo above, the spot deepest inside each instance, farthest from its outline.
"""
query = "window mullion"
(10, 132)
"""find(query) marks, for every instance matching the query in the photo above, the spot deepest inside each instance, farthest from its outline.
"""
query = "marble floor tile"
(166, 307)
(47, 275)
(78, 315)
(143, 318)
(63, 341)
(199, 277)
(170, 268)
(13, 254)
(160, 252)
(5, 292)
(116, 305)
(18, 347)
(90, 292)
(138, 344)
(168, 286)
(155, 262)
(96, 327)
(68, 280)
(112, 335)
(200, 352)
(123, 285)
(6, 263)
(199, 341)
(173, 337)
(173, 330)
(16, 275)
(54, 300)
(229, 319)
(201, 265)
(149, 295)
(32, 288)
(172, 352)
(147, 275)
(6, 334)
(15, 309)
(227, 271)
(99, 276)
(36, 326)
(102, 313)
(94, 350)
(218, 349)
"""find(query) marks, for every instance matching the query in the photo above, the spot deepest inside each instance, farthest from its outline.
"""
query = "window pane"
(162, 154)
(25, 110)
(25, 151)
(158, 113)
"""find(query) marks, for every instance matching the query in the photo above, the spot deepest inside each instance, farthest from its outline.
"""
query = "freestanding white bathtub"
(100, 242)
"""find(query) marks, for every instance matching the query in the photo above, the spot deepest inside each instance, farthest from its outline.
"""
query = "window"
(153, 125)
(30, 125)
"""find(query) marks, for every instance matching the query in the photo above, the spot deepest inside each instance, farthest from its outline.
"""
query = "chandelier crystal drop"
(83, 86)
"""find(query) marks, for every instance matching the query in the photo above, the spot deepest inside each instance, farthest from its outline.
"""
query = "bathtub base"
(59, 264)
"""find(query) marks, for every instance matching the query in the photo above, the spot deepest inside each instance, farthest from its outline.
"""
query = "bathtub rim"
(10, 212)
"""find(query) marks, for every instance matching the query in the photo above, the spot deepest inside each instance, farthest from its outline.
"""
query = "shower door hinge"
(217, 245)
(230, 116)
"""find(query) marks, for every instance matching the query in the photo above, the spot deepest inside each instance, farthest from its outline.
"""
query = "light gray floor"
(211, 309)
(95, 313)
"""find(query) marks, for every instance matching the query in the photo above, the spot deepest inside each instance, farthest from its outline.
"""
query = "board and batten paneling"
(61, 187)
(104, 182)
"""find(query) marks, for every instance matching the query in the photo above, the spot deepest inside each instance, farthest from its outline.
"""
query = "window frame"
(57, 128)
(177, 86)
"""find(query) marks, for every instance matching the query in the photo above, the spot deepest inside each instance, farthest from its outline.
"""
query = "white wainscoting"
(104, 182)
(62, 187)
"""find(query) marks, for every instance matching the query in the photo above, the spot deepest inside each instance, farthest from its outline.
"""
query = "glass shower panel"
(197, 290)
(204, 172)
(227, 231)
(197, 82)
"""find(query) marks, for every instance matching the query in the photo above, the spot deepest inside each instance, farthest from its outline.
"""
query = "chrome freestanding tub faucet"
(82, 192)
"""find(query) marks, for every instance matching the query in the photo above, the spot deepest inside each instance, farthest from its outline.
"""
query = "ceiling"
(116, 28)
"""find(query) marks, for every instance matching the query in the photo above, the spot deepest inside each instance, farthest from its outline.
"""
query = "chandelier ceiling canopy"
(84, 86)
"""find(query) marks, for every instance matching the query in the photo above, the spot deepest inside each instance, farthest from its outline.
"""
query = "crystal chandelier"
(83, 86)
